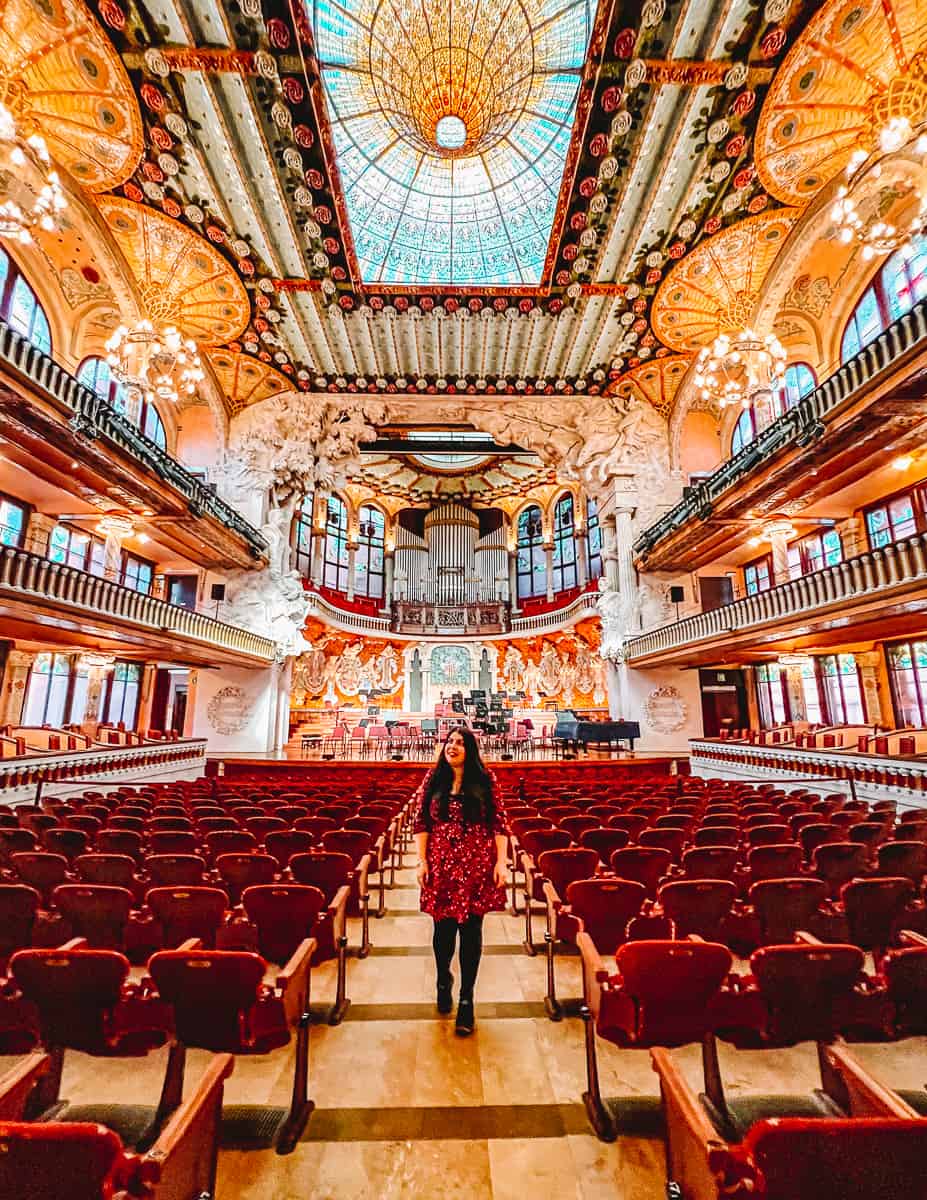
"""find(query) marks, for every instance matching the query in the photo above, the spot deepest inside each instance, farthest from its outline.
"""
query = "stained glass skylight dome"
(451, 120)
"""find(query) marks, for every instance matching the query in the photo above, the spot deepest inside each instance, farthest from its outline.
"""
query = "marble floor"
(407, 1111)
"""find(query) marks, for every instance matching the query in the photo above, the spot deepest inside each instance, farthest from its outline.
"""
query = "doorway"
(724, 701)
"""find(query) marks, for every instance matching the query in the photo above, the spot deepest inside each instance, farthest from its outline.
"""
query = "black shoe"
(445, 999)
(466, 1022)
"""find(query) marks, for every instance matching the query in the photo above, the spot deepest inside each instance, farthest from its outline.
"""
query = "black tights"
(471, 948)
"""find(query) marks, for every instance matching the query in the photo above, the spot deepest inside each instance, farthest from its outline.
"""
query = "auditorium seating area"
(736, 932)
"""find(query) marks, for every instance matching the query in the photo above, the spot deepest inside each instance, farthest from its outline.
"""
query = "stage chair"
(229, 841)
(220, 1002)
(710, 862)
(67, 842)
(111, 870)
(178, 842)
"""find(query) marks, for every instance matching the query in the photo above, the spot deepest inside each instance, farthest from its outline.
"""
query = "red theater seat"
(240, 871)
(187, 912)
(604, 842)
(41, 870)
(699, 906)
(284, 914)
(97, 913)
(785, 906)
(642, 864)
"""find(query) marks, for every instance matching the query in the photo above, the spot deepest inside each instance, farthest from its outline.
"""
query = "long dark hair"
(478, 801)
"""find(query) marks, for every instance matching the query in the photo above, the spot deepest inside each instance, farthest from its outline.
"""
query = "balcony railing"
(799, 426)
(20, 774)
(94, 417)
(29, 577)
(853, 580)
(476, 620)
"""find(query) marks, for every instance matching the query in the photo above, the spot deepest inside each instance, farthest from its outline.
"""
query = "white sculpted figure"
(611, 609)
(387, 669)
(513, 670)
(550, 670)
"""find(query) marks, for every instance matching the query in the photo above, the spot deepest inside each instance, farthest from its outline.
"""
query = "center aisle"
(405, 1109)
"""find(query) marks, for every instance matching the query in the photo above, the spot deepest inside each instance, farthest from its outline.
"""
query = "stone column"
(582, 572)
(115, 530)
(38, 533)
(549, 567)
(753, 708)
(146, 696)
(318, 539)
(388, 560)
(352, 558)
(869, 662)
(159, 586)
(852, 536)
(513, 581)
(627, 575)
(610, 551)
(15, 678)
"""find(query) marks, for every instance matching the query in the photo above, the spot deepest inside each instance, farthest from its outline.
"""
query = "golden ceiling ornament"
(155, 362)
(452, 76)
(62, 80)
(739, 369)
(244, 380)
(715, 288)
(657, 382)
(857, 68)
(184, 281)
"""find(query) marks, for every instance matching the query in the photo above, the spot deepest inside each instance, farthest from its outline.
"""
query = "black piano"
(571, 731)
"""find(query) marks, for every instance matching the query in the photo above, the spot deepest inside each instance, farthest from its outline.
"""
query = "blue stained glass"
(425, 213)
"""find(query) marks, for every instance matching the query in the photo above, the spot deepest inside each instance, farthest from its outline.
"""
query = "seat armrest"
(190, 944)
(361, 871)
(77, 943)
(595, 973)
(861, 1094)
(807, 939)
(908, 937)
(16, 1085)
(293, 981)
(183, 1159)
(338, 911)
(690, 1135)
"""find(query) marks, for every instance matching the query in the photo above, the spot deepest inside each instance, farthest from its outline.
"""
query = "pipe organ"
(451, 562)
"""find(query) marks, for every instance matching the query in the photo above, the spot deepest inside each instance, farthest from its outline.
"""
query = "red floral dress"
(460, 864)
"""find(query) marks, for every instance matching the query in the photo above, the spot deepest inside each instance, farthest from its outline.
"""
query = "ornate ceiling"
(351, 200)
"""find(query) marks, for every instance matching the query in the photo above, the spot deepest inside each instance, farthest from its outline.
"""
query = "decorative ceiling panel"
(656, 382)
(245, 380)
(857, 65)
(715, 288)
(184, 281)
(63, 79)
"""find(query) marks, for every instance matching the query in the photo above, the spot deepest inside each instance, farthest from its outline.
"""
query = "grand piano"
(572, 731)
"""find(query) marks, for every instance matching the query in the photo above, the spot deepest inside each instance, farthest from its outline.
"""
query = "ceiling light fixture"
(159, 363)
(25, 163)
(737, 368)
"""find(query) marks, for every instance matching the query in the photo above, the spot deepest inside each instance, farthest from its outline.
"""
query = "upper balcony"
(873, 409)
(50, 421)
(874, 595)
(413, 619)
(50, 602)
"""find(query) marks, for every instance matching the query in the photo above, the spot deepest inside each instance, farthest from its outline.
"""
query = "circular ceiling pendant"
(451, 133)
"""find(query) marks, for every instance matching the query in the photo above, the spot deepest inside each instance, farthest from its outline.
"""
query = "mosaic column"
(146, 696)
(868, 662)
(38, 533)
(97, 667)
(15, 678)
(582, 572)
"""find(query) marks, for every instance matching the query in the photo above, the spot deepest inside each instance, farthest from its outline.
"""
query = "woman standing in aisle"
(462, 850)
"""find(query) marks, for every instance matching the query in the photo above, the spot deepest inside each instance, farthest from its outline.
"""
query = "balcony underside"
(888, 614)
(28, 621)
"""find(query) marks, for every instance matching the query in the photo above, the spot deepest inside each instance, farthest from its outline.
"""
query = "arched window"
(744, 431)
(593, 539)
(799, 381)
(95, 373)
(899, 285)
(335, 574)
(19, 305)
(564, 562)
(531, 574)
(368, 558)
(304, 536)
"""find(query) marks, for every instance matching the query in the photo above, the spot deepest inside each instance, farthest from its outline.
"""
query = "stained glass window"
(122, 701)
(368, 558)
(907, 669)
(451, 121)
(744, 431)
(336, 545)
(47, 693)
(812, 693)
(304, 537)
(799, 381)
(19, 306)
(899, 285)
(771, 695)
(758, 576)
(893, 520)
(564, 561)
(593, 539)
(12, 522)
(843, 693)
(531, 573)
(815, 552)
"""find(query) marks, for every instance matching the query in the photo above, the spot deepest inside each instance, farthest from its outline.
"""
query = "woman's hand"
(499, 872)
(421, 874)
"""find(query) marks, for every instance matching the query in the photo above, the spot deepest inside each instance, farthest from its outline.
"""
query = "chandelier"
(896, 134)
(160, 363)
(736, 368)
(24, 160)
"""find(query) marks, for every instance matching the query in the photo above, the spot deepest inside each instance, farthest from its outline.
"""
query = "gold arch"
(856, 64)
(715, 288)
(184, 281)
(62, 78)
(245, 380)
(657, 382)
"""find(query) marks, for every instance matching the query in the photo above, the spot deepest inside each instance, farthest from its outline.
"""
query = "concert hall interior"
(554, 370)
